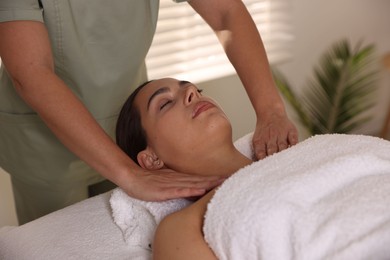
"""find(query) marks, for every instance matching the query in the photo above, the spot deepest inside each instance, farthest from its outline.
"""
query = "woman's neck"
(222, 162)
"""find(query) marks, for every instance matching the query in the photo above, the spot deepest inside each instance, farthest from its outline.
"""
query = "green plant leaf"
(339, 96)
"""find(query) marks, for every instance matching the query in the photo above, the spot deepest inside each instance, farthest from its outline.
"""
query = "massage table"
(84, 230)
(115, 226)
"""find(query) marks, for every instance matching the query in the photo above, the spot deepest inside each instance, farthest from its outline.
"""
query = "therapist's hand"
(164, 184)
(273, 134)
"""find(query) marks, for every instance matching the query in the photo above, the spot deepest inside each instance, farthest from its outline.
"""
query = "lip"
(200, 107)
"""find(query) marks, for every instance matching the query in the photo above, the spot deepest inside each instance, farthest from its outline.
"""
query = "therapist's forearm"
(73, 125)
(26, 53)
(243, 45)
(246, 52)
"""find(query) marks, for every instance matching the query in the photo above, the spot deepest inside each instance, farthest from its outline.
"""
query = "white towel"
(325, 198)
(138, 219)
(245, 146)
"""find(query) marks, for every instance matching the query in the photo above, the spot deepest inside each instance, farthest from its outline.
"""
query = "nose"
(191, 95)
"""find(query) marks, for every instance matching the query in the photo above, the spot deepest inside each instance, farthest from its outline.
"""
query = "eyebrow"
(164, 90)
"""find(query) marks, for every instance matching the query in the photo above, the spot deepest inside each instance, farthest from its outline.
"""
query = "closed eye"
(165, 104)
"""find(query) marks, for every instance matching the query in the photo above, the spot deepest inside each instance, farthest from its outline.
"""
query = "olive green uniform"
(99, 48)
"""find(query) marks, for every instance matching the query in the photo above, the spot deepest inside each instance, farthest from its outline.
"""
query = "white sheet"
(82, 231)
(325, 198)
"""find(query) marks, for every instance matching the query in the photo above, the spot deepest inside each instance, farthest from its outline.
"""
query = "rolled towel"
(139, 219)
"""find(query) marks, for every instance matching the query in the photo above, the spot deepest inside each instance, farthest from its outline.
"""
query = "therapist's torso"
(99, 49)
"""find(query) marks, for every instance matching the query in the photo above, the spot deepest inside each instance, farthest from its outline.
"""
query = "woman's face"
(181, 124)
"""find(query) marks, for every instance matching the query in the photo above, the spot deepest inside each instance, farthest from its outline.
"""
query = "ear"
(148, 160)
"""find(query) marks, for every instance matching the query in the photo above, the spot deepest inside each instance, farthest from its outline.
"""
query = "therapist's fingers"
(259, 146)
(272, 146)
(265, 142)
(293, 137)
(185, 186)
(282, 142)
(166, 184)
(282, 145)
(274, 135)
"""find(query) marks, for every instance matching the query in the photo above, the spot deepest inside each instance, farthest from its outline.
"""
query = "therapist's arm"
(243, 45)
(26, 53)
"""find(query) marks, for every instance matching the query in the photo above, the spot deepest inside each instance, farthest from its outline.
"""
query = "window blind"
(185, 47)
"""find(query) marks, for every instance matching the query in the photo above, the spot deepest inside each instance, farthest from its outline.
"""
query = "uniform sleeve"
(11, 10)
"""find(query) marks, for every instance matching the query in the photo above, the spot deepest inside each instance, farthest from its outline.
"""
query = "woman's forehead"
(150, 88)
(165, 83)
(159, 83)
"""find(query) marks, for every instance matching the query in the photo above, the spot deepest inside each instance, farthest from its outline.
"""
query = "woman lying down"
(325, 198)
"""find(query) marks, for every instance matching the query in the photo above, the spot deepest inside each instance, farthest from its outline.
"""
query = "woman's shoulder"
(178, 232)
(191, 216)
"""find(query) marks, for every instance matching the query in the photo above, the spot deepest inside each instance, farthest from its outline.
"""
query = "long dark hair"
(130, 136)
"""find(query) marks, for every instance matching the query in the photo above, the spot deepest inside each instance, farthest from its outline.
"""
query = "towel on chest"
(325, 198)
